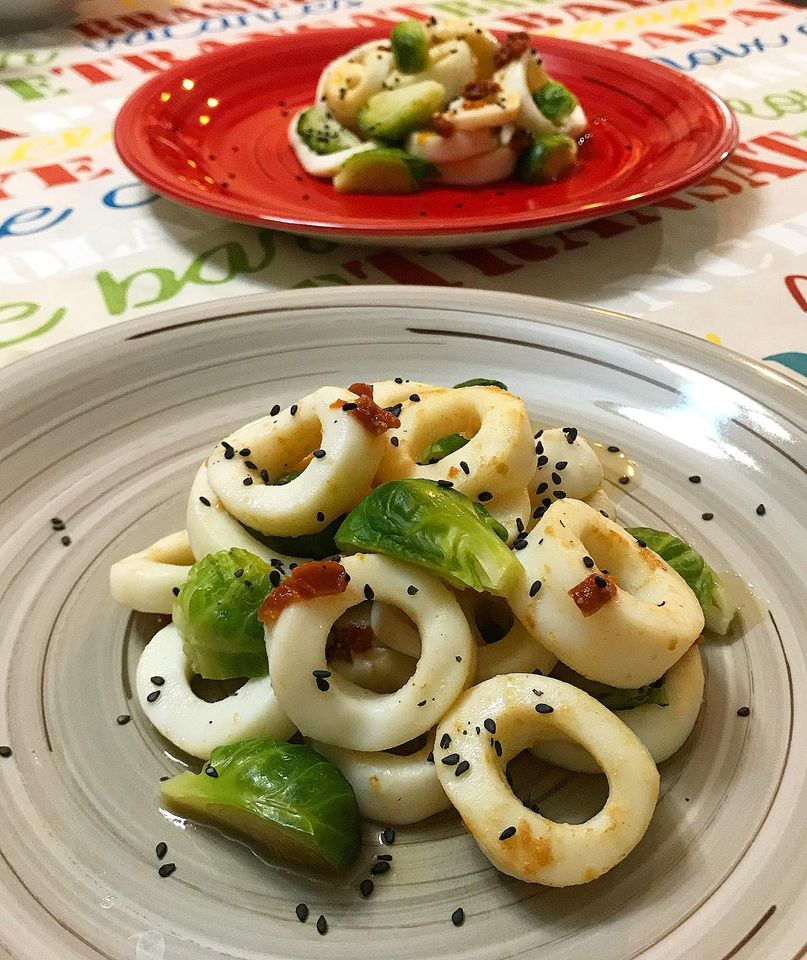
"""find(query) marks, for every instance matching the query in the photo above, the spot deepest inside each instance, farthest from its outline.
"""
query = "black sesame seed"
(624, 480)
(445, 741)
(366, 887)
(520, 544)
(122, 719)
(571, 434)
(6, 751)
(707, 516)
(293, 409)
(458, 917)
(744, 712)
(613, 449)
(464, 467)
(161, 849)
(275, 410)
(211, 771)
(379, 867)
(250, 465)
(694, 478)
(544, 708)
(66, 541)
(557, 479)
(421, 703)
(154, 695)
(302, 912)
(324, 674)
(411, 589)
(414, 398)
(399, 379)
(322, 925)
(519, 525)
(247, 481)
(462, 767)
(484, 496)
(451, 759)
(56, 520)
(430, 757)
(229, 453)
(497, 747)
(227, 446)
(458, 659)
(601, 582)
(445, 484)
(542, 461)
(394, 441)
(559, 494)
(490, 725)
(323, 685)
(59, 526)
(537, 513)
(167, 869)
(536, 586)
(158, 681)
(239, 573)
(388, 836)
(541, 488)
(265, 475)
(175, 591)
(761, 510)
(395, 410)
(539, 447)
(588, 562)
(384, 856)
(349, 406)
(204, 501)
(320, 518)
(507, 833)
(369, 593)
(274, 578)
(561, 464)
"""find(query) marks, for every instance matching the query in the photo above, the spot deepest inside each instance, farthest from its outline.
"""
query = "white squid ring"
(330, 485)
(663, 730)
(350, 716)
(563, 469)
(632, 639)
(146, 581)
(390, 788)
(211, 528)
(498, 456)
(193, 724)
(516, 840)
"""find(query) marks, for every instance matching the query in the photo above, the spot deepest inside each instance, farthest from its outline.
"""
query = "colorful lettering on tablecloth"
(21, 311)
(774, 106)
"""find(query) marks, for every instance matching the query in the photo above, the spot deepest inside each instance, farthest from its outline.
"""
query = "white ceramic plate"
(106, 431)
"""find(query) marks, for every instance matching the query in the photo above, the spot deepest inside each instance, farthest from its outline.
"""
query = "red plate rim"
(131, 151)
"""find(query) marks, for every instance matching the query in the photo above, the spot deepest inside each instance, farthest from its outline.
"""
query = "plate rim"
(126, 147)
(639, 332)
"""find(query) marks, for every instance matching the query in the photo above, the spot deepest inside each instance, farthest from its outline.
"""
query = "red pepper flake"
(514, 46)
(480, 89)
(309, 580)
(443, 126)
(373, 418)
(593, 593)
(347, 639)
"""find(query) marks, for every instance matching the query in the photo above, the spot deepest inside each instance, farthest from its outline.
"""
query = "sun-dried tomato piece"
(316, 579)
(347, 639)
(513, 46)
(593, 593)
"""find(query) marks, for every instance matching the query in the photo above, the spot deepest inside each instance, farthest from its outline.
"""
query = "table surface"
(83, 244)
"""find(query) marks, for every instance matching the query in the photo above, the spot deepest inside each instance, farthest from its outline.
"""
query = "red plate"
(212, 133)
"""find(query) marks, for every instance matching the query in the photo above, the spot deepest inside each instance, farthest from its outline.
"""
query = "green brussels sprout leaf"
(436, 528)
(555, 101)
(441, 448)
(216, 614)
(480, 382)
(283, 796)
(316, 546)
(617, 699)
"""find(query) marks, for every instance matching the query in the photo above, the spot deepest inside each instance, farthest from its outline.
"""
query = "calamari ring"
(634, 637)
(350, 716)
(193, 724)
(517, 651)
(522, 709)
(498, 458)
(387, 393)
(602, 503)
(145, 581)
(663, 730)
(211, 528)
(563, 469)
(332, 483)
(390, 788)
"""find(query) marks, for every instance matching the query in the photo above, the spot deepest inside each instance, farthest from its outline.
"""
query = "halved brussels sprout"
(315, 546)
(410, 46)
(284, 796)
(216, 614)
(480, 382)
(555, 101)
(441, 448)
(436, 528)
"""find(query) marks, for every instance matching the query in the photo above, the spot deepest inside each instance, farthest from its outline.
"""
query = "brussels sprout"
(410, 47)
(284, 796)
(717, 603)
(616, 699)
(555, 101)
(383, 170)
(323, 134)
(433, 527)
(287, 478)
(316, 546)
(216, 614)
(549, 157)
(391, 114)
(480, 382)
(441, 448)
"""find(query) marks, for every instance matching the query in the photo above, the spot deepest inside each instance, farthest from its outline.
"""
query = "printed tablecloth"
(83, 244)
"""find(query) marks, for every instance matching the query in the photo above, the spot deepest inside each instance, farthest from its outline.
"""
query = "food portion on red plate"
(438, 102)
